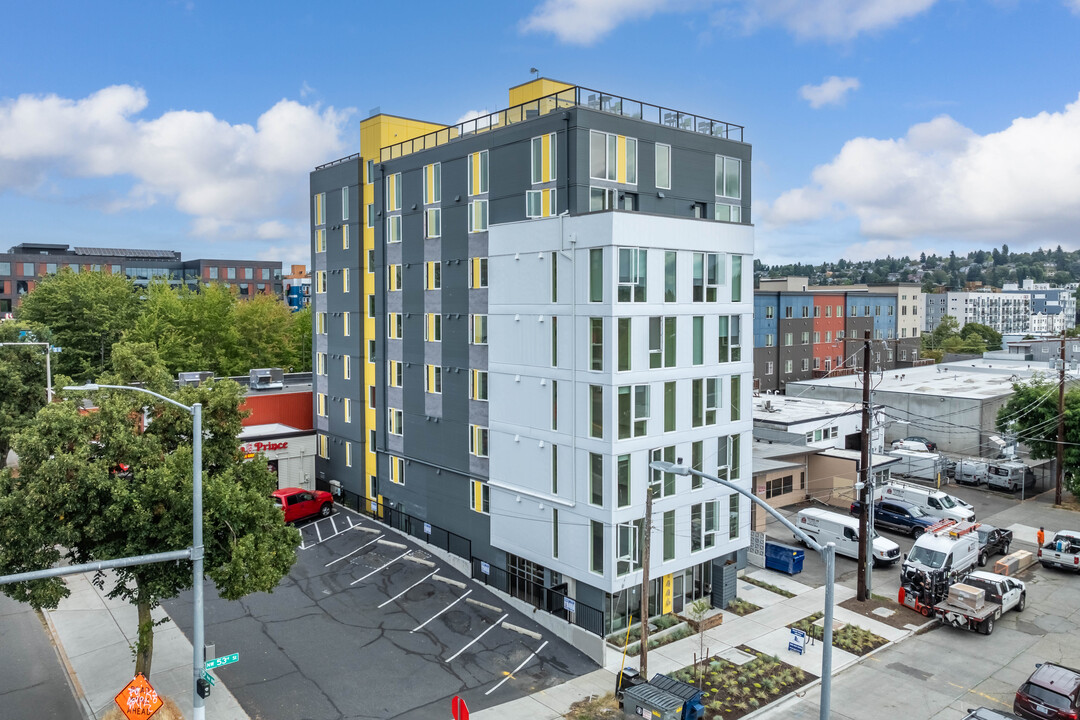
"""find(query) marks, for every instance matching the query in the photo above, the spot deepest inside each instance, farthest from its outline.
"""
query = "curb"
(72, 678)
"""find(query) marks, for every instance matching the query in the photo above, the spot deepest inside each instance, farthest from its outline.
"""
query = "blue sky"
(878, 126)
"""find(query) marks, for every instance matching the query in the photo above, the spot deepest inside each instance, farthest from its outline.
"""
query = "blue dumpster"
(783, 558)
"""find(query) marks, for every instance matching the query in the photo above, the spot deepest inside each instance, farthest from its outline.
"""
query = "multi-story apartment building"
(23, 265)
(550, 297)
(1008, 313)
(1035, 308)
(803, 331)
(298, 288)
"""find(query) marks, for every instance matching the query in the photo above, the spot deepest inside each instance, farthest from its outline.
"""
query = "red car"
(298, 503)
(1052, 691)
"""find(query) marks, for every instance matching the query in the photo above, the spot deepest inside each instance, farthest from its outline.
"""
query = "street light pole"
(828, 554)
(197, 624)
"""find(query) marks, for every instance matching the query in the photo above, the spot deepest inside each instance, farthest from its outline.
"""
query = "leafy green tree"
(93, 486)
(22, 384)
(85, 313)
(1031, 415)
(982, 333)
(301, 339)
(264, 328)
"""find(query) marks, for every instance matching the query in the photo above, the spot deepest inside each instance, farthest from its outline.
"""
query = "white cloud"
(830, 92)
(584, 22)
(232, 179)
(1073, 5)
(944, 180)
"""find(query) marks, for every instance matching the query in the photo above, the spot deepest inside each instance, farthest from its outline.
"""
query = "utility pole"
(864, 494)
(645, 544)
(1061, 423)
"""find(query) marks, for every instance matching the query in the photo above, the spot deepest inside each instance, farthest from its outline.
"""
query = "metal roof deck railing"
(571, 97)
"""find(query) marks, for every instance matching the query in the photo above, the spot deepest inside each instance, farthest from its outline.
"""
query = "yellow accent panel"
(474, 158)
(534, 89)
(478, 497)
(620, 155)
(545, 158)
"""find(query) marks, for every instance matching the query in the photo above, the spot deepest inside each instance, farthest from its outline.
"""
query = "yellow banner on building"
(669, 594)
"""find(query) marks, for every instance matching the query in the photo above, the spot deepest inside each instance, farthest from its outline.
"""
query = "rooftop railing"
(571, 97)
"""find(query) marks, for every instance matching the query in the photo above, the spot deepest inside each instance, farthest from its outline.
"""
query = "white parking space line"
(421, 625)
(511, 674)
(352, 553)
(334, 524)
(317, 532)
(407, 589)
(477, 638)
(352, 526)
(379, 569)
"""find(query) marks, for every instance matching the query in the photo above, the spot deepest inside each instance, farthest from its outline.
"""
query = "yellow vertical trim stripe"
(620, 159)
(474, 173)
(545, 158)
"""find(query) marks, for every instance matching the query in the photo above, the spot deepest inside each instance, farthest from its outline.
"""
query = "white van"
(946, 553)
(825, 526)
(932, 502)
(971, 471)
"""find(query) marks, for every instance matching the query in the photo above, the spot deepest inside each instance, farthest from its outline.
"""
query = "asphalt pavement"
(33, 683)
(369, 625)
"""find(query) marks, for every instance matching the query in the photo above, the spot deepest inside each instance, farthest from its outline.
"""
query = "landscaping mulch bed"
(766, 586)
(732, 691)
(741, 607)
(900, 619)
(655, 642)
(621, 639)
(850, 638)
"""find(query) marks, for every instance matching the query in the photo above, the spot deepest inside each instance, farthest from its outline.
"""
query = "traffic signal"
(203, 688)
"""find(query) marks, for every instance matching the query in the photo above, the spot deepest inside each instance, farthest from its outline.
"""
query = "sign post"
(459, 708)
(138, 699)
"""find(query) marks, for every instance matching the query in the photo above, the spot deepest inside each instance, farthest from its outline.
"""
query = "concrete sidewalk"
(95, 637)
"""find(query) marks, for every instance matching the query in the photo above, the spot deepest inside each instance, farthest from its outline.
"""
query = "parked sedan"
(298, 503)
(992, 541)
(1052, 691)
(931, 446)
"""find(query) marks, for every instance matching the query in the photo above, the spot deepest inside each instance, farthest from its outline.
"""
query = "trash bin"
(783, 558)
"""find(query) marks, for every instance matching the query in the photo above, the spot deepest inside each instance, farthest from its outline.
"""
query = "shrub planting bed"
(766, 586)
(850, 638)
(741, 607)
(732, 691)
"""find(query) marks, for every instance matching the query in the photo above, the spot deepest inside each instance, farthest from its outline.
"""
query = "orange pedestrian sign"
(138, 699)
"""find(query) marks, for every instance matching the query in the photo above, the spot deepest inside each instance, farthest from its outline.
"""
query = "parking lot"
(369, 625)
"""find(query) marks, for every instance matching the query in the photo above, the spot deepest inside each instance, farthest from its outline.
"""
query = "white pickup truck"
(1063, 551)
(1002, 594)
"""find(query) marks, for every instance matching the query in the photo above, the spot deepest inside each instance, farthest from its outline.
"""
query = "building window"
(554, 277)
(555, 533)
(554, 404)
(788, 340)
(670, 263)
(397, 470)
(393, 192)
(708, 273)
(348, 454)
(769, 310)
(596, 275)
(478, 441)
(633, 411)
(346, 367)
(321, 404)
(669, 535)
(348, 410)
(698, 325)
(624, 344)
(393, 229)
(770, 340)
(478, 272)
(478, 384)
(324, 447)
(344, 244)
(393, 326)
(554, 341)
(733, 516)
(433, 223)
(371, 215)
(543, 159)
(705, 399)
(394, 421)
(478, 216)
(603, 155)
(540, 203)
(728, 457)
(345, 280)
(703, 534)
(736, 398)
(622, 481)
(433, 379)
(432, 183)
(320, 363)
(736, 278)
(596, 343)
(806, 338)
(320, 240)
(596, 547)
(662, 484)
(320, 281)
(320, 209)
(669, 406)
(663, 166)
(433, 275)
(554, 469)
(661, 342)
(602, 199)
(769, 368)
(632, 274)
(728, 177)
(478, 329)
(596, 411)
(394, 370)
(596, 479)
(346, 330)
(478, 173)
(371, 351)
(320, 323)
(433, 327)
(628, 537)
(479, 497)
(393, 278)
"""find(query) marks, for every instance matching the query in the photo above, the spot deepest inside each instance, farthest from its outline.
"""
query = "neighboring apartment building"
(550, 297)
(1035, 308)
(298, 288)
(1008, 313)
(803, 331)
(24, 265)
